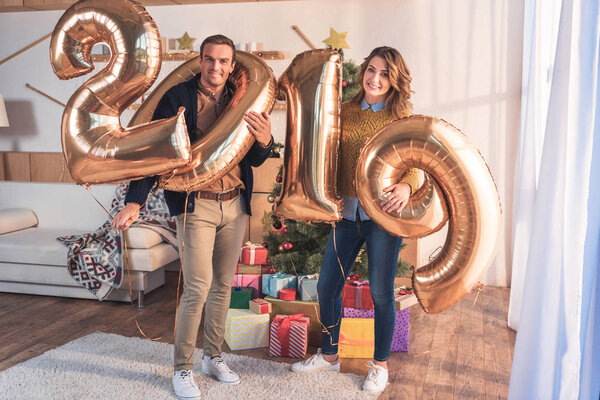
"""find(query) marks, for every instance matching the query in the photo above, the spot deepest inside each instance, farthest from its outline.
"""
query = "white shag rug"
(108, 366)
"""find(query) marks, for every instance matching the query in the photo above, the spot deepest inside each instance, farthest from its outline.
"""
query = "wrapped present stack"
(247, 281)
(357, 329)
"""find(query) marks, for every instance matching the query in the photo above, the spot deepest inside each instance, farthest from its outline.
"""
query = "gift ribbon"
(252, 247)
(355, 342)
(283, 331)
(262, 303)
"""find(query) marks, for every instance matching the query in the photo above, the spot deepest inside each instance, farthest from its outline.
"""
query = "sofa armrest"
(16, 219)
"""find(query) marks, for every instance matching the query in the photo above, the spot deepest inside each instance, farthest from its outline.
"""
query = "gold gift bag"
(357, 338)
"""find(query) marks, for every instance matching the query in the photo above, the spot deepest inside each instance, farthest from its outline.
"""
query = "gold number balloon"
(312, 86)
(96, 147)
(462, 184)
(228, 140)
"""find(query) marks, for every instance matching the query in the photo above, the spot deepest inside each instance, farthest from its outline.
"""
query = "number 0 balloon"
(96, 147)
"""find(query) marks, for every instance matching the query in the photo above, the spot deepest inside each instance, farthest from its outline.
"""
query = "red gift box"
(357, 294)
(289, 336)
(287, 294)
(253, 254)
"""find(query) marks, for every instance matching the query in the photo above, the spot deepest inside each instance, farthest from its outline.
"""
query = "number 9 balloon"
(96, 147)
(462, 191)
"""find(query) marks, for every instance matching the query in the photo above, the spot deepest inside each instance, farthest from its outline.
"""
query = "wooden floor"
(462, 353)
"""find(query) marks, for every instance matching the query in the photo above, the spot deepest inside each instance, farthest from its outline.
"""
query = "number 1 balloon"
(96, 147)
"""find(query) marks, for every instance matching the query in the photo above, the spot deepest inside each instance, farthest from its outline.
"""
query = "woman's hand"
(397, 197)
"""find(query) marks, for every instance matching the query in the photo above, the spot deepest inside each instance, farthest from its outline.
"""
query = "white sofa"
(32, 261)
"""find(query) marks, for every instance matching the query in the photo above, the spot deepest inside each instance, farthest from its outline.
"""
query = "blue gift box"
(273, 283)
(307, 286)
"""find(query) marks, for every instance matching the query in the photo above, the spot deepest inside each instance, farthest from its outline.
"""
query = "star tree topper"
(186, 42)
(336, 40)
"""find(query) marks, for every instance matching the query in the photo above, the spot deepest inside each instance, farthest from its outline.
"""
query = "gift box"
(260, 306)
(287, 294)
(308, 308)
(400, 339)
(273, 283)
(253, 281)
(248, 269)
(307, 286)
(245, 329)
(253, 254)
(357, 294)
(289, 336)
(240, 297)
(357, 338)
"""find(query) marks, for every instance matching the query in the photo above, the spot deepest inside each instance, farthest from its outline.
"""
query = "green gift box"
(240, 297)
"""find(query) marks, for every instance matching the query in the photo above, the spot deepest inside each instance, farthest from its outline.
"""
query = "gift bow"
(283, 331)
(260, 301)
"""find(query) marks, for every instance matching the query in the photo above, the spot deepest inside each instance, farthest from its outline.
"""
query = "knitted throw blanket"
(95, 260)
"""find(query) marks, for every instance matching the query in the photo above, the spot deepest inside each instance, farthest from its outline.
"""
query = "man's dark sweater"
(186, 94)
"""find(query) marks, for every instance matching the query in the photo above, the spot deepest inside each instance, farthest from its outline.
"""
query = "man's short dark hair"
(217, 39)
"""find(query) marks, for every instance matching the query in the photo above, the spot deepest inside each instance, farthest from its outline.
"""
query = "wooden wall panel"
(410, 252)
(264, 176)
(14, 166)
(260, 205)
(49, 167)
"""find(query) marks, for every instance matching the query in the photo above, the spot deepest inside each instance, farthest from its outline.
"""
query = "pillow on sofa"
(16, 219)
(141, 238)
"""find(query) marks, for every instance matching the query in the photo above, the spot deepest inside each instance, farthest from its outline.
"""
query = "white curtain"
(556, 241)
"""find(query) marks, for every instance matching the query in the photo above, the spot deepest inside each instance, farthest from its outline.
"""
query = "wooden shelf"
(267, 55)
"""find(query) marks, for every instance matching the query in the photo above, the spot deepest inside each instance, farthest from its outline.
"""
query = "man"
(216, 216)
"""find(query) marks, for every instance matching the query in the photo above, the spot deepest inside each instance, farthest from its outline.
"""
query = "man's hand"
(126, 216)
(260, 126)
(397, 197)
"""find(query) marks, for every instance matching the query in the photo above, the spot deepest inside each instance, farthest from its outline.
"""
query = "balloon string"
(187, 194)
(126, 259)
(479, 287)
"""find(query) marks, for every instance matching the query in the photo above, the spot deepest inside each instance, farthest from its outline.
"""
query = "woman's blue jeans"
(382, 250)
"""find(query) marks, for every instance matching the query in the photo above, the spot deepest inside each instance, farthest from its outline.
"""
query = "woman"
(383, 97)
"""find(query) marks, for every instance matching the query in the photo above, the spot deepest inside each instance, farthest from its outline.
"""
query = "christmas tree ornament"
(271, 198)
(285, 230)
(265, 245)
(336, 40)
(278, 179)
(461, 182)
(277, 224)
(280, 248)
(344, 83)
(287, 245)
(309, 190)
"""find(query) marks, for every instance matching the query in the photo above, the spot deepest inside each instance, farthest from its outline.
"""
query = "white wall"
(464, 56)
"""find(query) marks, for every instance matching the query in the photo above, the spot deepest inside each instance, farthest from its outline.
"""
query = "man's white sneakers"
(217, 368)
(315, 363)
(184, 385)
(377, 379)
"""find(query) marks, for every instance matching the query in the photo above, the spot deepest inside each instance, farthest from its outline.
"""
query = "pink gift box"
(253, 281)
(400, 339)
(253, 254)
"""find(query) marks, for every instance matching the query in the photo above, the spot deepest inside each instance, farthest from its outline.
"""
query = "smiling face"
(376, 80)
(216, 65)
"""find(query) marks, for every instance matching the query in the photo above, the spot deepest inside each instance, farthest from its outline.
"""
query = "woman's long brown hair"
(397, 98)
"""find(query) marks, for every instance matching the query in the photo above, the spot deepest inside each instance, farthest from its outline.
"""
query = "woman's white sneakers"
(377, 379)
(315, 363)
(184, 385)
